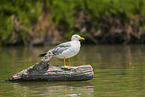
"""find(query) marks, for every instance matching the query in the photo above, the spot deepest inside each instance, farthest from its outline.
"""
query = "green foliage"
(61, 12)
(6, 28)
(17, 17)
(27, 12)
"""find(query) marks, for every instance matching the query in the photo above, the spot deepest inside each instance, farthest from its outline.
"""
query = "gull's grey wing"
(60, 48)
(65, 44)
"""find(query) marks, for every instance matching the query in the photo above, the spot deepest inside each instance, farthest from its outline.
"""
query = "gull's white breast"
(71, 51)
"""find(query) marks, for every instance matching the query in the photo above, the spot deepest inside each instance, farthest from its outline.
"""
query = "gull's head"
(76, 37)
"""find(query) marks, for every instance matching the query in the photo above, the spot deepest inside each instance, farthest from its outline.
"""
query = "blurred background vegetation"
(42, 22)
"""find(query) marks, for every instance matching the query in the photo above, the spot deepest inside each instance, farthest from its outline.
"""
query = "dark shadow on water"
(54, 89)
(53, 83)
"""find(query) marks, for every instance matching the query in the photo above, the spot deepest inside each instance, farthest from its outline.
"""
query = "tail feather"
(42, 55)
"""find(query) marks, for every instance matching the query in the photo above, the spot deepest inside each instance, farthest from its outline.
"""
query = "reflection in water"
(118, 71)
(54, 89)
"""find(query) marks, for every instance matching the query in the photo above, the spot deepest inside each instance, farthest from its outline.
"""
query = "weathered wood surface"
(44, 71)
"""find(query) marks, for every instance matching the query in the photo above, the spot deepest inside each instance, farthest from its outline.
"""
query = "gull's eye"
(76, 37)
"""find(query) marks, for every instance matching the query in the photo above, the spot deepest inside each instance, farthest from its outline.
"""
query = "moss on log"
(42, 71)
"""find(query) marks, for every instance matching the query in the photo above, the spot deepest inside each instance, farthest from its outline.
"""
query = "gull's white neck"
(76, 43)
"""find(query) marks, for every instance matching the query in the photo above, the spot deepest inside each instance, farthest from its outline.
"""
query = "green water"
(119, 72)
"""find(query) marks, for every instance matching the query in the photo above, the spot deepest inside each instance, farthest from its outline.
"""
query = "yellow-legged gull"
(67, 49)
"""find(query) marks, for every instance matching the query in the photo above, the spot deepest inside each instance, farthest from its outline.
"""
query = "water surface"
(119, 71)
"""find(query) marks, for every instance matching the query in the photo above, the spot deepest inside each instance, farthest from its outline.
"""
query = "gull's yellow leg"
(64, 64)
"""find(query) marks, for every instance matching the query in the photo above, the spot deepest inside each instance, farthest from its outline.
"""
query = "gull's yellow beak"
(82, 38)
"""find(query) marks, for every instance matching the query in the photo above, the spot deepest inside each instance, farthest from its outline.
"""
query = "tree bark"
(42, 71)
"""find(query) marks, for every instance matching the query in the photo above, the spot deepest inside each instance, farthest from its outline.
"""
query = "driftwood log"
(42, 71)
